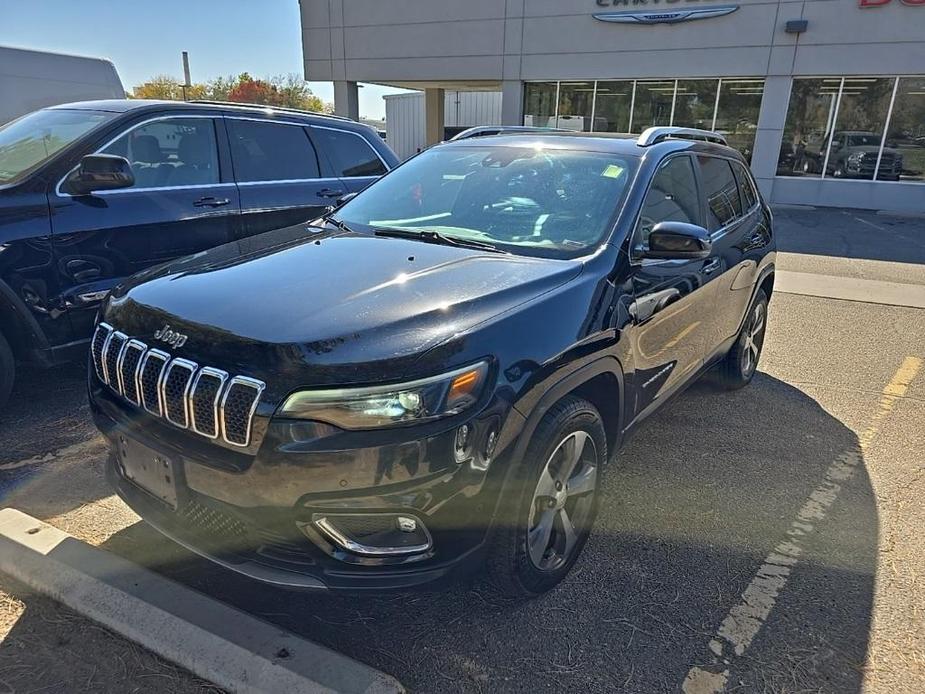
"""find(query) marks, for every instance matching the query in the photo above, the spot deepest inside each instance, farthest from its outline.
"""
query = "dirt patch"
(45, 647)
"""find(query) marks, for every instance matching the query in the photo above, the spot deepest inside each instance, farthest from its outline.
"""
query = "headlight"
(855, 158)
(382, 406)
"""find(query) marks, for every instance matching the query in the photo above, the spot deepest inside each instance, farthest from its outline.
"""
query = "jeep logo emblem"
(171, 337)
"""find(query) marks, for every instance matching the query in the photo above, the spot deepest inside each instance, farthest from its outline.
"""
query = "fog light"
(463, 438)
(374, 534)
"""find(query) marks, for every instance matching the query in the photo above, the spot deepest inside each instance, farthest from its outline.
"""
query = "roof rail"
(656, 134)
(284, 109)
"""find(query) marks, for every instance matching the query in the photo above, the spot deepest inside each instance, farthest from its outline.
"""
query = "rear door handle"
(711, 267)
(330, 193)
(210, 201)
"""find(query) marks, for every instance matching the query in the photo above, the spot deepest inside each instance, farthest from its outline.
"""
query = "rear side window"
(672, 197)
(271, 151)
(170, 152)
(749, 194)
(350, 154)
(721, 190)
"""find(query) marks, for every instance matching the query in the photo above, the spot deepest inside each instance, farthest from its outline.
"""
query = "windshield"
(528, 200)
(864, 140)
(28, 142)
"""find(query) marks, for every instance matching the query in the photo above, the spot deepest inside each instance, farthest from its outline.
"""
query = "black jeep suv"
(434, 377)
(91, 193)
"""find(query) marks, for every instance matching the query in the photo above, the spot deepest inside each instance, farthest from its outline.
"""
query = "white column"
(512, 102)
(347, 99)
(434, 116)
(771, 122)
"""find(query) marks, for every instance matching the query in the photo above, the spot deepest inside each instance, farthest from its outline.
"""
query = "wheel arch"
(593, 382)
(18, 326)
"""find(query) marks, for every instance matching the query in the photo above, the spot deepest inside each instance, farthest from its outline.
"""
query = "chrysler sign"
(668, 15)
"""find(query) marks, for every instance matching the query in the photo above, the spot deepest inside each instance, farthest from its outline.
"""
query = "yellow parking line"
(745, 619)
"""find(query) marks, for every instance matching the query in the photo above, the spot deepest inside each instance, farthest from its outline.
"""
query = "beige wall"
(402, 41)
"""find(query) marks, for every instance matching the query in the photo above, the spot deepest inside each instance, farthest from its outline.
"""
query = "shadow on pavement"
(700, 496)
(850, 234)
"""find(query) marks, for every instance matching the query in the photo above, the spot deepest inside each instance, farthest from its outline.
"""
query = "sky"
(144, 38)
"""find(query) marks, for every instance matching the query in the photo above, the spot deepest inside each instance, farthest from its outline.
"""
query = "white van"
(30, 80)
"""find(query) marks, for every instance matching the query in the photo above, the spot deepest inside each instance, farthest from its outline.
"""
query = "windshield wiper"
(339, 223)
(431, 236)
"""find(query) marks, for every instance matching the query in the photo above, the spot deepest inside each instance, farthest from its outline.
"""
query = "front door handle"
(210, 201)
(330, 193)
(711, 267)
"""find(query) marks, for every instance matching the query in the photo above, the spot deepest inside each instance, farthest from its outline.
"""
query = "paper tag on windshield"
(613, 171)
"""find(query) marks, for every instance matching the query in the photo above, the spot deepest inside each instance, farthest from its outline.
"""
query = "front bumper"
(258, 517)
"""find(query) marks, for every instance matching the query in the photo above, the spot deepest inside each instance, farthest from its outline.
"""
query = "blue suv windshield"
(30, 141)
(527, 200)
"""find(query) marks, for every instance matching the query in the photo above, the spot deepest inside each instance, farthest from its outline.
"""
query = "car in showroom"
(433, 378)
(853, 154)
(93, 192)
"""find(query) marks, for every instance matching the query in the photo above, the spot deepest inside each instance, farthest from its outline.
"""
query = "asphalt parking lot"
(764, 540)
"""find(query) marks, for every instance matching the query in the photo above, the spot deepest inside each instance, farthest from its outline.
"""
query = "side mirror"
(677, 241)
(100, 172)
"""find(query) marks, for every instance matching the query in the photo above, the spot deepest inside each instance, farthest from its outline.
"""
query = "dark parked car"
(91, 193)
(436, 376)
(853, 154)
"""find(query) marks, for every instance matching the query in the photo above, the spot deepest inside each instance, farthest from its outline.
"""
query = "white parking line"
(745, 619)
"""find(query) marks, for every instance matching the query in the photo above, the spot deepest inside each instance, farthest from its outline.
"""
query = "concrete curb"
(210, 639)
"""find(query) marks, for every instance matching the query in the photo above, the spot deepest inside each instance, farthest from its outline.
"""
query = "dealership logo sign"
(664, 17)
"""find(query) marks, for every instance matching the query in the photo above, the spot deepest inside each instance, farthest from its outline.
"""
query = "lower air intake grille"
(205, 399)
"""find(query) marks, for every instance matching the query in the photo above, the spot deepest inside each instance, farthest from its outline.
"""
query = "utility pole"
(186, 82)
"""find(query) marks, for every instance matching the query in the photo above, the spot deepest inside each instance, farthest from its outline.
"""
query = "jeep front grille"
(202, 399)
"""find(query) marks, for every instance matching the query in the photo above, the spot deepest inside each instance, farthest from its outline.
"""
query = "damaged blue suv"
(433, 378)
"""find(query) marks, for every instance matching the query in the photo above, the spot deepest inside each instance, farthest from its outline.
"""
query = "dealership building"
(826, 98)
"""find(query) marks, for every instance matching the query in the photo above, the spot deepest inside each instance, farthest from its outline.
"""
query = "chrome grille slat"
(100, 336)
(127, 369)
(112, 350)
(150, 372)
(175, 391)
(237, 409)
(205, 400)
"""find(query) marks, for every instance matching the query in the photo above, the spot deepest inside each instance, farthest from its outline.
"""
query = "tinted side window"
(350, 154)
(749, 195)
(170, 152)
(721, 190)
(672, 197)
(271, 152)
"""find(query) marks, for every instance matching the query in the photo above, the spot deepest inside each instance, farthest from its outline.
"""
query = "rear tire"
(738, 367)
(7, 370)
(548, 504)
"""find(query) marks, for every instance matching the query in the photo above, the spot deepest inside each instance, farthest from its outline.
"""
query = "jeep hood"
(340, 307)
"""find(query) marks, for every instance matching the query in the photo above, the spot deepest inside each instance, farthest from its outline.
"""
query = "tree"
(159, 87)
(282, 90)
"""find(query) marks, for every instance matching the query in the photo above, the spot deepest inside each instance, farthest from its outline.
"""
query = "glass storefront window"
(652, 104)
(612, 107)
(575, 100)
(861, 117)
(906, 131)
(810, 116)
(695, 104)
(540, 104)
(737, 112)
(835, 129)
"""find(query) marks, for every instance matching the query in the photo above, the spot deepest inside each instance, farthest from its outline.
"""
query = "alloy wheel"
(562, 501)
(754, 338)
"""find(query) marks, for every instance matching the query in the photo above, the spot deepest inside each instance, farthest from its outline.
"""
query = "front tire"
(738, 367)
(7, 370)
(549, 502)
